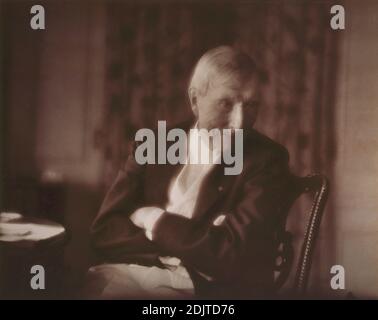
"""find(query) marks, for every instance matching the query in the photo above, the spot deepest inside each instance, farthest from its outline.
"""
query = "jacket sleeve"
(245, 234)
(114, 236)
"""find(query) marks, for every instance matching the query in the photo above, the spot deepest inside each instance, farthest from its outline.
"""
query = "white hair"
(223, 60)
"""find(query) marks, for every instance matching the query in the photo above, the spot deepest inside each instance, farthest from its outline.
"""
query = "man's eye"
(224, 103)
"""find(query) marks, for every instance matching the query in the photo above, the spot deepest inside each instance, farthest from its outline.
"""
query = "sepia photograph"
(188, 150)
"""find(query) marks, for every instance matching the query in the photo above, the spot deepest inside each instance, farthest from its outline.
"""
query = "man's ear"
(193, 99)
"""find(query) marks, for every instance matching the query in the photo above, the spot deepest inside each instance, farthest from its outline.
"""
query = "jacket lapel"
(161, 177)
(217, 185)
(214, 187)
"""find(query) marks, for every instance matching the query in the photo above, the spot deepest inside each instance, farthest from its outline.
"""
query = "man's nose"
(237, 116)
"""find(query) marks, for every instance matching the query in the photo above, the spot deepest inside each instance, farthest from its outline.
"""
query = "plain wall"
(355, 188)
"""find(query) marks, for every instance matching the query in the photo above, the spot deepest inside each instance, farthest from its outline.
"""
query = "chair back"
(318, 185)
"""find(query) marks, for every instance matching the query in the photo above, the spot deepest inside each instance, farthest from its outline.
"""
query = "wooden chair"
(318, 185)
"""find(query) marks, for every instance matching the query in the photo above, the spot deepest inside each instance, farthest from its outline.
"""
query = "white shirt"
(183, 191)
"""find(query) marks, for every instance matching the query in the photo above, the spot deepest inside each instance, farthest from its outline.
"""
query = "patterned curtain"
(151, 49)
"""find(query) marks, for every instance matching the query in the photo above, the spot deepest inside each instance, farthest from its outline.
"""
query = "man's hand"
(145, 218)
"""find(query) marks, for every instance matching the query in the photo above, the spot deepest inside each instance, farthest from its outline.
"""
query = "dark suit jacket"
(239, 254)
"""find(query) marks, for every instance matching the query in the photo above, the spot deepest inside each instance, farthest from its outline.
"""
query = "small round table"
(26, 242)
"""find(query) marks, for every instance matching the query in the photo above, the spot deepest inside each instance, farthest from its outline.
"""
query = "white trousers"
(131, 281)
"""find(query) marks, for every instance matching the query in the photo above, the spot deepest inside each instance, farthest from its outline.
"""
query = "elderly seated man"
(190, 230)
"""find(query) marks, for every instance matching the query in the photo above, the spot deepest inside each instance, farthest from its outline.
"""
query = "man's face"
(230, 103)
